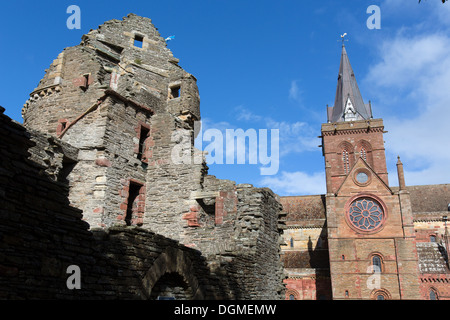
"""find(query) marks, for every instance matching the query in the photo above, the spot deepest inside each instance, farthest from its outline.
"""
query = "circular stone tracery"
(366, 214)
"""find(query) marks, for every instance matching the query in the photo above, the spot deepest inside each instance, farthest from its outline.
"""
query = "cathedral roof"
(348, 104)
(431, 257)
(304, 210)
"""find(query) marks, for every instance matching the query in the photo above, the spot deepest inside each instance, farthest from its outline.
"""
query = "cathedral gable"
(362, 178)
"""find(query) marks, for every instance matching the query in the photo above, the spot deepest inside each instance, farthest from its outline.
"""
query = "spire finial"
(343, 39)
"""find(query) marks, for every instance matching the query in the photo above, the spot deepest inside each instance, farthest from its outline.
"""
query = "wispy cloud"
(294, 91)
(413, 75)
(296, 183)
(295, 136)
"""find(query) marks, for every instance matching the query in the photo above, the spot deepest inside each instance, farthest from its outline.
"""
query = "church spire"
(348, 105)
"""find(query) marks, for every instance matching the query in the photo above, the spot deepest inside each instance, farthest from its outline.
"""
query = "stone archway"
(172, 271)
(171, 286)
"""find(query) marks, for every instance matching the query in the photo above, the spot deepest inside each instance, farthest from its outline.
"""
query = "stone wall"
(42, 235)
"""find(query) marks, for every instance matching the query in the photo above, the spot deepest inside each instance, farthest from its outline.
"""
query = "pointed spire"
(348, 105)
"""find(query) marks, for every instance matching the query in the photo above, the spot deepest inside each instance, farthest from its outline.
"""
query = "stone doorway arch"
(172, 270)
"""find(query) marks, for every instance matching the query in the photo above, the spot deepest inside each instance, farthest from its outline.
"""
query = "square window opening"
(175, 91)
(138, 41)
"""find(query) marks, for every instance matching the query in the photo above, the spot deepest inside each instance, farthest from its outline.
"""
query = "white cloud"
(413, 79)
(246, 115)
(294, 91)
(296, 183)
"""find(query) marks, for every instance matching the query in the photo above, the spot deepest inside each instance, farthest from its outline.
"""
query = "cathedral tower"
(370, 229)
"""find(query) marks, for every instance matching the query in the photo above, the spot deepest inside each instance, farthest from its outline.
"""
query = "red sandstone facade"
(364, 239)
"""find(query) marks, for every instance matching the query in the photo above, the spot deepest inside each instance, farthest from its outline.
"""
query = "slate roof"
(347, 87)
(307, 211)
(431, 258)
(306, 259)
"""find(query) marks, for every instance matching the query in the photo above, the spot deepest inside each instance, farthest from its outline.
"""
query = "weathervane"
(343, 38)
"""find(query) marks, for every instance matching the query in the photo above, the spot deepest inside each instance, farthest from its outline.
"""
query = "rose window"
(366, 214)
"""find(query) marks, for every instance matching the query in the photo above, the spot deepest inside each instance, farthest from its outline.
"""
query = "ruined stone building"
(95, 155)
(89, 180)
(364, 239)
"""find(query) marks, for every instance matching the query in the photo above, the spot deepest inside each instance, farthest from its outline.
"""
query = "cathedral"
(364, 239)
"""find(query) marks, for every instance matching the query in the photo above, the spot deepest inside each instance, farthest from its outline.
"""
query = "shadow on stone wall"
(41, 235)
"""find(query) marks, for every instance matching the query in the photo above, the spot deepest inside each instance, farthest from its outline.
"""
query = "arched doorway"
(172, 276)
(171, 286)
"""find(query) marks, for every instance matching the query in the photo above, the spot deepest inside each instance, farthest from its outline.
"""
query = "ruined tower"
(121, 99)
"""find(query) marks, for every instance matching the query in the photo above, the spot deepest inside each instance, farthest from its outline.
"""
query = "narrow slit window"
(132, 205)
(144, 132)
(364, 154)
(345, 161)
(86, 81)
(138, 40)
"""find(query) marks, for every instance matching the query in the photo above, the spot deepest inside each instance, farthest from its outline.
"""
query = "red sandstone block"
(103, 162)
(98, 210)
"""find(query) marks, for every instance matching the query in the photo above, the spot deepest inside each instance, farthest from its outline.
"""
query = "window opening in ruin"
(132, 205)
(432, 238)
(175, 91)
(144, 132)
(291, 297)
(208, 205)
(85, 85)
(292, 242)
(138, 40)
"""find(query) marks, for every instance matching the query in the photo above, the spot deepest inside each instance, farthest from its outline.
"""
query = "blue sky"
(273, 65)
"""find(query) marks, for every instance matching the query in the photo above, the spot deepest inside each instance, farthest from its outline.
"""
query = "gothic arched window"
(345, 161)
(376, 263)
(433, 294)
(363, 154)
